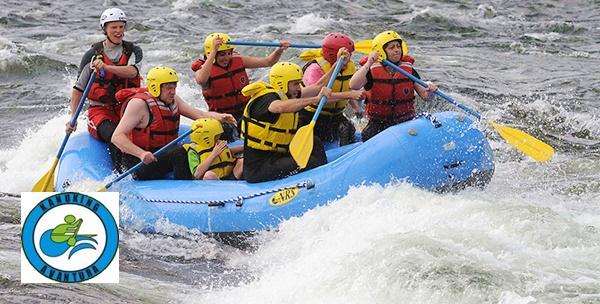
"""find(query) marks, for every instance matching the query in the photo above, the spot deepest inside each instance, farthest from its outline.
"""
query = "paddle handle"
(275, 44)
(140, 164)
(338, 68)
(77, 111)
(437, 92)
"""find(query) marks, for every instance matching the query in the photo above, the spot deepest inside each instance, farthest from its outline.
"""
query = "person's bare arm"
(190, 112)
(359, 79)
(263, 62)
(121, 71)
(428, 93)
(205, 165)
(314, 89)
(296, 104)
(203, 74)
(75, 98)
(237, 149)
(135, 116)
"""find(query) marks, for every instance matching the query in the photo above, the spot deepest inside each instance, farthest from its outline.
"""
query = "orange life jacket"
(392, 97)
(104, 87)
(163, 125)
(225, 87)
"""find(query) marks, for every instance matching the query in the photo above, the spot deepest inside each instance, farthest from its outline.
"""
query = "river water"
(532, 236)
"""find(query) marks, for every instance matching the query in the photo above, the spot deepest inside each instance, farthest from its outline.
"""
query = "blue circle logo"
(70, 237)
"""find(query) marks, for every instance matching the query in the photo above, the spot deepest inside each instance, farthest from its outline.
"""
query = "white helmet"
(112, 14)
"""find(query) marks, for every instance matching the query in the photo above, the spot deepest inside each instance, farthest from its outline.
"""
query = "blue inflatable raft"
(439, 152)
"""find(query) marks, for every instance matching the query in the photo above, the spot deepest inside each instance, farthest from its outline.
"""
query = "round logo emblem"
(70, 237)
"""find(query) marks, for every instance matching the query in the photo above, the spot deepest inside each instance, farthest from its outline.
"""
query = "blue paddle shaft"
(275, 44)
(338, 68)
(74, 118)
(156, 154)
(438, 92)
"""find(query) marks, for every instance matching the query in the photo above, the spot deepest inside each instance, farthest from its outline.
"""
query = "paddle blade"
(525, 143)
(46, 183)
(363, 46)
(302, 144)
(310, 55)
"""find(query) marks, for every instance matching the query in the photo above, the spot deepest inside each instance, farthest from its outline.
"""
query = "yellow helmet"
(205, 130)
(157, 76)
(282, 73)
(208, 42)
(384, 37)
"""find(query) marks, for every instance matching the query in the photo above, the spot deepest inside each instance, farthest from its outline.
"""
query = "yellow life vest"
(267, 136)
(341, 84)
(222, 165)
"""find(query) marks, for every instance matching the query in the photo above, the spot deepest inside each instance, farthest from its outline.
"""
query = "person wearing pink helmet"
(331, 124)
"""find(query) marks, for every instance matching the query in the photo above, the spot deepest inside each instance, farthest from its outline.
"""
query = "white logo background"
(91, 225)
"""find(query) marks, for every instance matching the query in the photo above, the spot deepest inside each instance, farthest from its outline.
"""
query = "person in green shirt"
(209, 157)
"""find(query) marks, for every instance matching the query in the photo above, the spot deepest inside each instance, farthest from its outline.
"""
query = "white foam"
(309, 24)
(27, 162)
(379, 245)
(552, 36)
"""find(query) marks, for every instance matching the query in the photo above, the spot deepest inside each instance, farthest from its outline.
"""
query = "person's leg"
(238, 169)
(275, 166)
(317, 156)
(155, 170)
(346, 130)
(177, 158)
(373, 128)
(105, 131)
(210, 175)
(325, 128)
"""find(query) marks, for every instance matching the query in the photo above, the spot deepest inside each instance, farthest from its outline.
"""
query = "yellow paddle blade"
(302, 144)
(46, 183)
(525, 143)
(310, 55)
(363, 46)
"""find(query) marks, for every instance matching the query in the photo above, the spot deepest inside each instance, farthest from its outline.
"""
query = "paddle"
(531, 146)
(302, 144)
(363, 46)
(46, 183)
(140, 164)
(275, 44)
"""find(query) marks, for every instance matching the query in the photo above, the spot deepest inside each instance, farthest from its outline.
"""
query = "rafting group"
(283, 123)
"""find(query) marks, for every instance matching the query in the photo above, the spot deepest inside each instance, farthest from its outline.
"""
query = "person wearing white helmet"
(150, 120)
(118, 63)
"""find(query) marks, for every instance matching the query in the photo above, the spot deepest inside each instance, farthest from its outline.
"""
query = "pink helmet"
(332, 43)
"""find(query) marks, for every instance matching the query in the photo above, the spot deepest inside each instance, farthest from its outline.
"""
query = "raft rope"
(239, 200)
(436, 124)
(6, 194)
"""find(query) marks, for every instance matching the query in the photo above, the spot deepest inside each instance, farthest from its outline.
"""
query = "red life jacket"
(104, 88)
(224, 93)
(392, 97)
(163, 125)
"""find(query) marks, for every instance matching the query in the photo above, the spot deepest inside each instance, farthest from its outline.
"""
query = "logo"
(284, 196)
(70, 237)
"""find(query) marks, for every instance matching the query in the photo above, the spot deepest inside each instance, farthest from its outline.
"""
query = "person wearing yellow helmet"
(271, 119)
(331, 124)
(208, 156)
(150, 119)
(222, 74)
(118, 62)
(389, 95)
